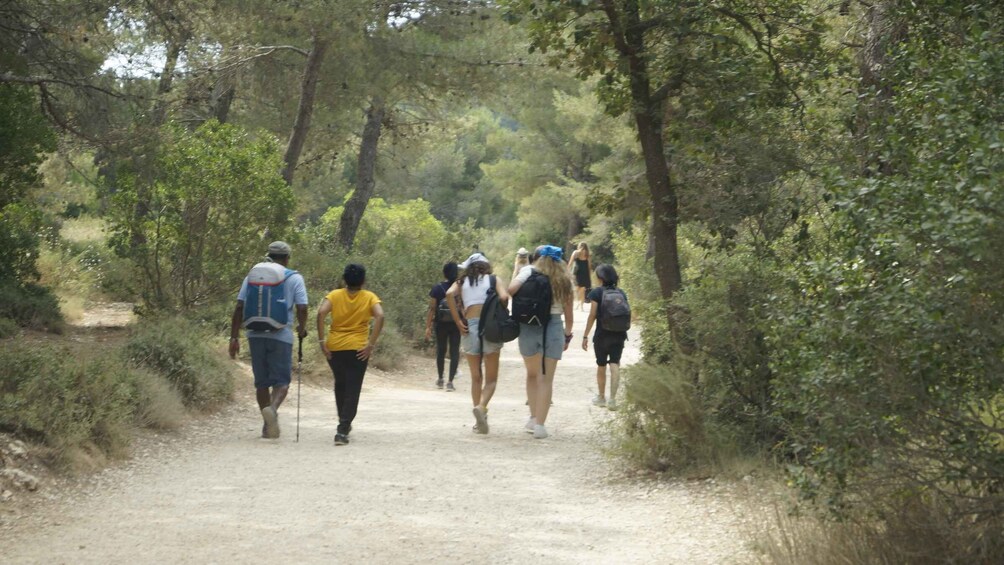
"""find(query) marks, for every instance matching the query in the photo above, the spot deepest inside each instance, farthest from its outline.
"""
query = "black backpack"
(615, 312)
(443, 310)
(495, 324)
(531, 305)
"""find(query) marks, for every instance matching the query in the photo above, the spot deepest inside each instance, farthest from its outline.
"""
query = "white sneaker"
(539, 431)
(599, 401)
(612, 405)
(481, 418)
(530, 424)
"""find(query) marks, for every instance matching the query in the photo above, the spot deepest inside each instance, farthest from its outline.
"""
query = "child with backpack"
(542, 303)
(474, 288)
(447, 333)
(610, 310)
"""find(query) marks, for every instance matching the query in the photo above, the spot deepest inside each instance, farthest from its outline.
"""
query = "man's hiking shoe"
(439, 383)
(599, 401)
(341, 439)
(449, 387)
(271, 422)
(539, 432)
(481, 416)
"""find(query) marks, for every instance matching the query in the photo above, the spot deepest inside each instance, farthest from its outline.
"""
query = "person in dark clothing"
(580, 264)
(447, 333)
(608, 345)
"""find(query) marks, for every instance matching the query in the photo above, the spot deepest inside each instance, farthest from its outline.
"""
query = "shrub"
(54, 395)
(8, 328)
(391, 350)
(30, 306)
(662, 424)
(177, 349)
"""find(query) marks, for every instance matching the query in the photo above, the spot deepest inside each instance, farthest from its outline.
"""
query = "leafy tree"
(217, 192)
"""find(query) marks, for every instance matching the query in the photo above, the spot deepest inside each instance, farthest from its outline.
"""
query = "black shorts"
(608, 349)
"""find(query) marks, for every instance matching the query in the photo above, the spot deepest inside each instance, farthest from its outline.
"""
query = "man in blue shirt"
(272, 352)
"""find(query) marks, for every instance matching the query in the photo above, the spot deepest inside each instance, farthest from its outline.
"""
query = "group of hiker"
(468, 310)
(473, 309)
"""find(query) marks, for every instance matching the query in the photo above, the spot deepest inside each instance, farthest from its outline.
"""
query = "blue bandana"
(553, 252)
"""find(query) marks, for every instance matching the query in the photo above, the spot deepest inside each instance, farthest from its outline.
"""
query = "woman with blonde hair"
(542, 303)
(473, 288)
(580, 264)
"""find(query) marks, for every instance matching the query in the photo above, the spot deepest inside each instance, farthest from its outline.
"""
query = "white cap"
(474, 258)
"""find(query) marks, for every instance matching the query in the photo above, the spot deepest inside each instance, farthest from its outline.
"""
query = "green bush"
(8, 328)
(31, 306)
(51, 394)
(391, 351)
(177, 349)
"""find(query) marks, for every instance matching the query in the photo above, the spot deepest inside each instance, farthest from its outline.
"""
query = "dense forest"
(802, 197)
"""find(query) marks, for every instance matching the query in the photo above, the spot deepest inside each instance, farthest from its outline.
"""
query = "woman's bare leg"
(491, 378)
(474, 362)
(545, 386)
(532, 373)
(601, 382)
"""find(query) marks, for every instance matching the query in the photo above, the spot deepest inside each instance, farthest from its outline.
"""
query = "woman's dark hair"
(607, 274)
(450, 271)
(354, 275)
(477, 270)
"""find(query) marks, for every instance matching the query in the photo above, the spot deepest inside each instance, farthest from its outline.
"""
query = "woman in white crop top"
(473, 289)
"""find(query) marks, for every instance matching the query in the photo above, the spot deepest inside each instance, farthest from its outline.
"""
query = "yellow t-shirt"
(350, 319)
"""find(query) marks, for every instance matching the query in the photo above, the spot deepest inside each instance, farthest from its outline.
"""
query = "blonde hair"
(583, 246)
(561, 282)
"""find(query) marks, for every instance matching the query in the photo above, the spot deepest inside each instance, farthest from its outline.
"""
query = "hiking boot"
(539, 431)
(439, 383)
(271, 422)
(481, 416)
(449, 387)
(341, 439)
(599, 401)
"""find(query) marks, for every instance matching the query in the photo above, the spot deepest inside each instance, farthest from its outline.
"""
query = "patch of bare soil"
(414, 486)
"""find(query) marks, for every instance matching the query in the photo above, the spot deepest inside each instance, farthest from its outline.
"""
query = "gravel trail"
(414, 486)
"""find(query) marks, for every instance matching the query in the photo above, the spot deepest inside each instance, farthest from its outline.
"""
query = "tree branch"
(42, 81)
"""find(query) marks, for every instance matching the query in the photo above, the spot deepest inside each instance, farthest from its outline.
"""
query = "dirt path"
(415, 485)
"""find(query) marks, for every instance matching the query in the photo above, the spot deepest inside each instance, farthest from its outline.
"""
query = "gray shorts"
(472, 344)
(271, 362)
(531, 339)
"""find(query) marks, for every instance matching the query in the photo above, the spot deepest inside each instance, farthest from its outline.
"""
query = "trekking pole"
(299, 378)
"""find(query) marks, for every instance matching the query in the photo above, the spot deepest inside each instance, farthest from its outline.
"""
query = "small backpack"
(443, 313)
(531, 305)
(615, 312)
(495, 323)
(265, 307)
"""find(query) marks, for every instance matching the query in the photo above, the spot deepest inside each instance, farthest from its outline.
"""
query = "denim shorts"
(271, 362)
(472, 343)
(531, 339)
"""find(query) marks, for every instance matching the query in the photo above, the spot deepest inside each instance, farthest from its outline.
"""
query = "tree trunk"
(305, 110)
(884, 32)
(159, 112)
(356, 206)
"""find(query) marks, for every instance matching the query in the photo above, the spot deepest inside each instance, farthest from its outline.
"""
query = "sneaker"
(530, 425)
(481, 416)
(599, 401)
(449, 387)
(271, 422)
(612, 405)
(439, 383)
(341, 439)
(539, 431)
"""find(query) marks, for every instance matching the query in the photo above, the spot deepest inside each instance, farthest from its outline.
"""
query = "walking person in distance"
(350, 341)
(610, 311)
(265, 308)
(542, 303)
(473, 289)
(581, 266)
(447, 333)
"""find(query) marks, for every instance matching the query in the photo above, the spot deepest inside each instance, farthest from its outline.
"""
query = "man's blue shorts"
(271, 362)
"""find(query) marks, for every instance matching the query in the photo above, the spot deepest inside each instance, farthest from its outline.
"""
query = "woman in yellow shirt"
(349, 343)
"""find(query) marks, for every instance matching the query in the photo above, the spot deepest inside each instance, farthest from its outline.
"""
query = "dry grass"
(84, 229)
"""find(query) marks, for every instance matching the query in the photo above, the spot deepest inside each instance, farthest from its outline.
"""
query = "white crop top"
(475, 295)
